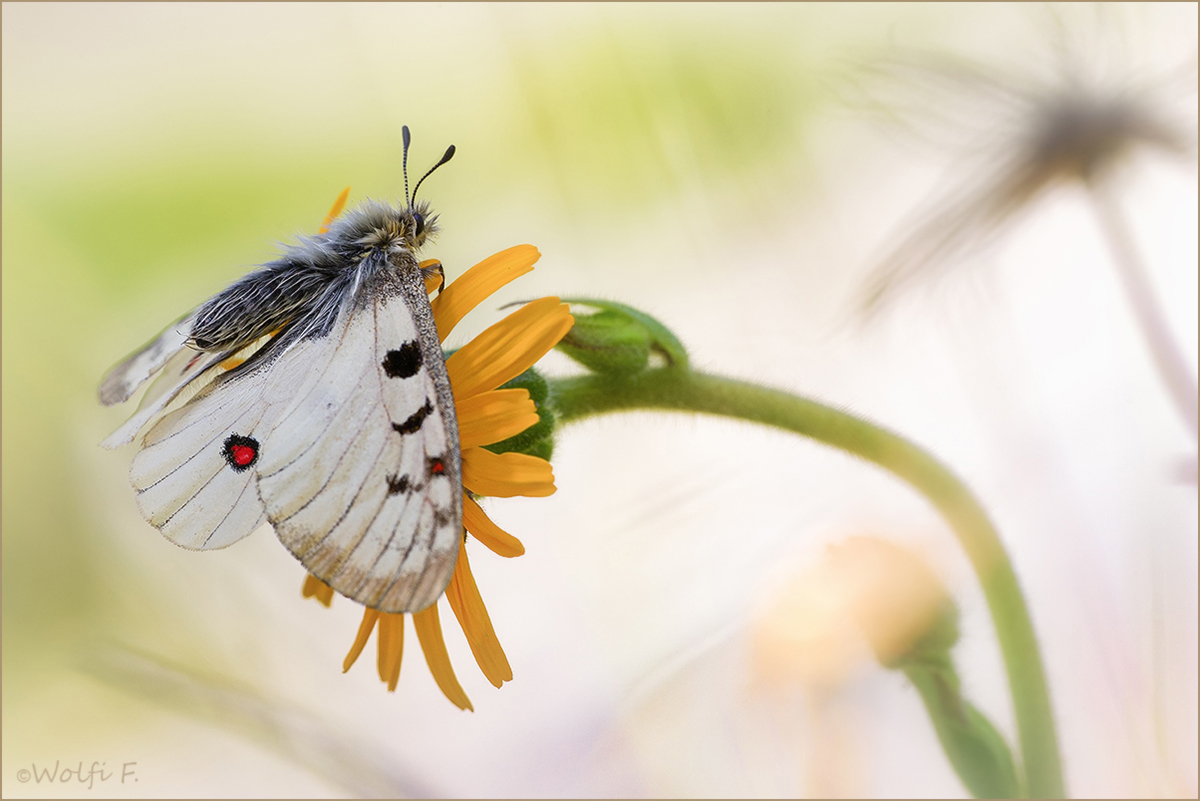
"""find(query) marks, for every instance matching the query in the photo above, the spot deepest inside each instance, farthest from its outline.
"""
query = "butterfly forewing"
(361, 474)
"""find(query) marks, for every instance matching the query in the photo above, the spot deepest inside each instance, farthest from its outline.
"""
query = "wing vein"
(232, 506)
(199, 452)
(362, 427)
(298, 404)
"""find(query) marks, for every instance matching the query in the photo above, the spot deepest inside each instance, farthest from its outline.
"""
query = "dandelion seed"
(1022, 134)
(1016, 134)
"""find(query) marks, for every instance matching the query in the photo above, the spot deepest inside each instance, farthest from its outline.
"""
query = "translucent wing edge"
(137, 368)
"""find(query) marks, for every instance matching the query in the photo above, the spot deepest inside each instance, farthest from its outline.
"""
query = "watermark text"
(58, 773)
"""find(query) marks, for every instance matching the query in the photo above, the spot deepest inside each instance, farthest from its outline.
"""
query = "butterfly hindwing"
(194, 473)
(361, 474)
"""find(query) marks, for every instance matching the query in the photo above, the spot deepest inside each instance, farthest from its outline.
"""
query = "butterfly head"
(379, 228)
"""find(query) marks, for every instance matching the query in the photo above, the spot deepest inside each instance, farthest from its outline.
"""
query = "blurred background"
(738, 171)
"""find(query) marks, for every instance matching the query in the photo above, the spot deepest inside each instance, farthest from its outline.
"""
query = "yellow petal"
(315, 588)
(503, 475)
(477, 283)
(508, 348)
(483, 529)
(391, 647)
(338, 205)
(360, 640)
(493, 416)
(472, 615)
(429, 632)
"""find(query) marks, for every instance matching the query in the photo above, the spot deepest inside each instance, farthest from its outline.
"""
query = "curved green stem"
(680, 389)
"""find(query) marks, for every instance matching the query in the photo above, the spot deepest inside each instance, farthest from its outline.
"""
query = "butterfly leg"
(435, 277)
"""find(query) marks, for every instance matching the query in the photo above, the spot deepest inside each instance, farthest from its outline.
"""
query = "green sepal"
(977, 751)
(618, 339)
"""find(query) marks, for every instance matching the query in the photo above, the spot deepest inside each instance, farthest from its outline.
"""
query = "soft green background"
(692, 160)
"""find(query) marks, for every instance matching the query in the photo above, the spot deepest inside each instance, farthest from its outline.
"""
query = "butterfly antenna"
(448, 155)
(404, 162)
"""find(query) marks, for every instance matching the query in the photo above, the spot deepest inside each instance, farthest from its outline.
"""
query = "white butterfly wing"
(177, 365)
(188, 483)
(346, 442)
(361, 475)
(186, 486)
(136, 369)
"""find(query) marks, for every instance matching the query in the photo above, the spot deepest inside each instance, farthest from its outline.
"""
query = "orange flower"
(486, 414)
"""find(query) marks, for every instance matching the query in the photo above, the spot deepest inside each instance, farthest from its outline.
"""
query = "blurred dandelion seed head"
(1066, 113)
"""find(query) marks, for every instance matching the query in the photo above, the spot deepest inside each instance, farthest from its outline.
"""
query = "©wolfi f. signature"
(60, 774)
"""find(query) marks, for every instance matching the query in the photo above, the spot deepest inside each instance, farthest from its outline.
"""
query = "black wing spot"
(414, 422)
(397, 485)
(404, 362)
(240, 452)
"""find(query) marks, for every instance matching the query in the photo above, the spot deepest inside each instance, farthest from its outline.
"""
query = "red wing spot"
(240, 452)
(435, 466)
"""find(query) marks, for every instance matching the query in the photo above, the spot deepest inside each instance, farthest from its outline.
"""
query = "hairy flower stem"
(680, 389)
(1168, 358)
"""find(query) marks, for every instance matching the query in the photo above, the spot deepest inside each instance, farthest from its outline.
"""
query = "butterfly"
(311, 393)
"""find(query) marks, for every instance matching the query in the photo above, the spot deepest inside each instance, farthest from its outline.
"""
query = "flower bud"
(618, 339)
(898, 603)
(862, 589)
